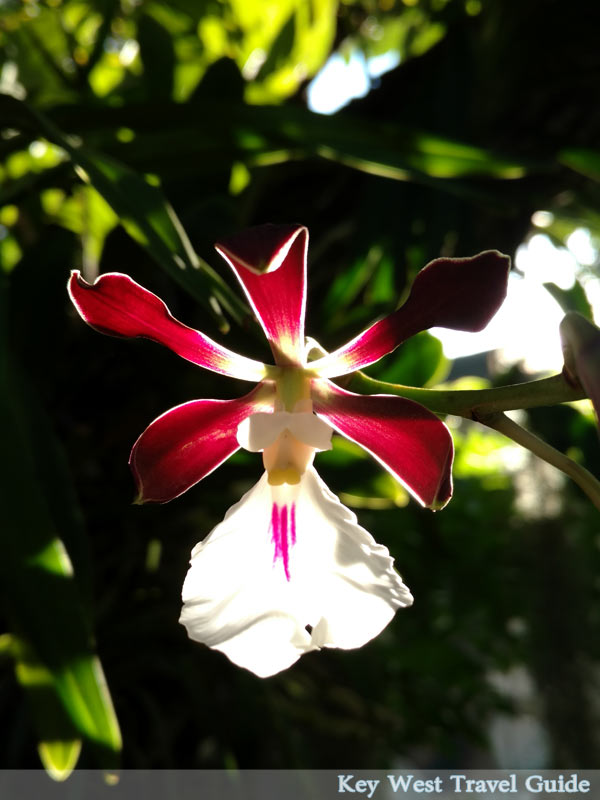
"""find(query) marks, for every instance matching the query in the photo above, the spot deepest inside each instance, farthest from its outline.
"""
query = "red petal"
(459, 293)
(117, 305)
(406, 438)
(188, 442)
(270, 263)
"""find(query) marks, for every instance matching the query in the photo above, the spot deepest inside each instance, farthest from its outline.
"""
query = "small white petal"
(259, 431)
(250, 598)
(310, 429)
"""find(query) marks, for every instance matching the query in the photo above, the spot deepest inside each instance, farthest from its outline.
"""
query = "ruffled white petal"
(240, 598)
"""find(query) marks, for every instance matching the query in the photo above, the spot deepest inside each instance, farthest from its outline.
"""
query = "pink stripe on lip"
(283, 533)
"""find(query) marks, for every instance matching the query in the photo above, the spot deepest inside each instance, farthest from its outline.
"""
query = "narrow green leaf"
(582, 160)
(142, 209)
(573, 299)
(151, 221)
(57, 664)
(59, 746)
(108, 9)
(59, 757)
(263, 132)
(399, 154)
(280, 49)
(158, 57)
(346, 287)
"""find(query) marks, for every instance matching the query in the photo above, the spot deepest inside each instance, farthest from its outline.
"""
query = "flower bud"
(581, 351)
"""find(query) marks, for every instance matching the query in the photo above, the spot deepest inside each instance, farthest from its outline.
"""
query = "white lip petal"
(243, 597)
(356, 586)
(236, 599)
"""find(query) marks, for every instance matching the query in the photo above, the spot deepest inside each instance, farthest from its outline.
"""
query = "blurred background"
(133, 134)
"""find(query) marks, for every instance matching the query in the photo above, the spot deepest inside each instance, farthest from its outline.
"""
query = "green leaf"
(574, 299)
(57, 665)
(266, 134)
(59, 757)
(420, 361)
(394, 152)
(59, 746)
(89, 215)
(582, 160)
(40, 49)
(281, 48)
(141, 207)
(347, 286)
(151, 221)
(158, 57)
(294, 36)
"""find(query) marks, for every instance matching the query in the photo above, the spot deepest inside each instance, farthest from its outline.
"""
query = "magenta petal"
(270, 263)
(188, 442)
(459, 293)
(117, 305)
(407, 439)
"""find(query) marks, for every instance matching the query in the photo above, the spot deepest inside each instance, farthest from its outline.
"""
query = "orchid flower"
(289, 570)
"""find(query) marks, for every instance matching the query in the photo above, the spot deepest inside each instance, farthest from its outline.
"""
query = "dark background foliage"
(491, 115)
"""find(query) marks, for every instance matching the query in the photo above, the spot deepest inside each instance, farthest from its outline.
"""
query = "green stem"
(584, 479)
(487, 406)
(475, 403)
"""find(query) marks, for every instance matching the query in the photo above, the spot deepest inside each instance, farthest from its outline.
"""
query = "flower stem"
(584, 479)
(474, 403)
(486, 406)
